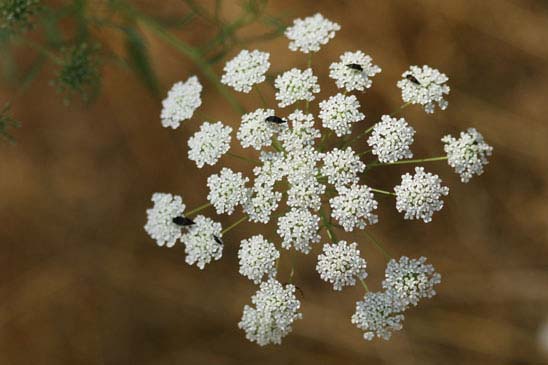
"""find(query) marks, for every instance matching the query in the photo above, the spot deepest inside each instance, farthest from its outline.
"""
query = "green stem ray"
(197, 209)
(250, 160)
(404, 162)
(185, 49)
(234, 225)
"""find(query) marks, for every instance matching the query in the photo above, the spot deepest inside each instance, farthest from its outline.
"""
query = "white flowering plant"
(308, 178)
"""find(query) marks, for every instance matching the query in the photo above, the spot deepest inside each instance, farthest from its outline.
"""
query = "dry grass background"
(81, 283)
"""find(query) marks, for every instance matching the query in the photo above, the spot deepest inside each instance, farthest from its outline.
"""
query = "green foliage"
(16, 15)
(139, 59)
(79, 72)
(74, 49)
(6, 121)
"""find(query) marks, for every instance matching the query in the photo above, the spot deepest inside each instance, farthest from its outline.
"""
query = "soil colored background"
(81, 283)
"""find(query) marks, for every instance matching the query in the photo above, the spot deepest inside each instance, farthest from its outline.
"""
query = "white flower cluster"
(295, 85)
(354, 71)
(261, 202)
(378, 314)
(227, 190)
(340, 264)
(425, 86)
(255, 131)
(203, 242)
(341, 167)
(257, 258)
(309, 34)
(160, 225)
(391, 138)
(419, 196)
(299, 228)
(410, 280)
(468, 154)
(246, 70)
(406, 282)
(181, 102)
(302, 131)
(339, 112)
(353, 207)
(276, 308)
(319, 175)
(208, 144)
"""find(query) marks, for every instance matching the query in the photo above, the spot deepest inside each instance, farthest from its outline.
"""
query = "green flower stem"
(382, 191)
(400, 109)
(276, 145)
(377, 245)
(403, 162)
(205, 117)
(362, 134)
(348, 143)
(250, 160)
(186, 50)
(364, 285)
(198, 209)
(292, 272)
(364, 152)
(324, 140)
(234, 225)
(41, 49)
(328, 227)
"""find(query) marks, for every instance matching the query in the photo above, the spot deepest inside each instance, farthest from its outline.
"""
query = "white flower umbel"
(309, 34)
(272, 170)
(339, 112)
(302, 131)
(276, 308)
(378, 314)
(245, 70)
(340, 264)
(301, 164)
(391, 138)
(425, 86)
(203, 242)
(181, 102)
(226, 190)
(410, 280)
(261, 202)
(341, 167)
(255, 131)
(307, 194)
(159, 225)
(208, 144)
(354, 71)
(295, 85)
(353, 207)
(419, 196)
(299, 228)
(257, 258)
(468, 154)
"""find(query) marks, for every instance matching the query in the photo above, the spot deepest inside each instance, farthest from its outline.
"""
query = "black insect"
(413, 79)
(355, 66)
(275, 119)
(183, 221)
(218, 240)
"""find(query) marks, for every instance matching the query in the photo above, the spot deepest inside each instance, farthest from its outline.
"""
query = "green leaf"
(139, 59)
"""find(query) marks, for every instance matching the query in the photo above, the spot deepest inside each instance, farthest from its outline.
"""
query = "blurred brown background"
(81, 283)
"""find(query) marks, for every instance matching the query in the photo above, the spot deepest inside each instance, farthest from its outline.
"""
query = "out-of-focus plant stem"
(187, 50)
